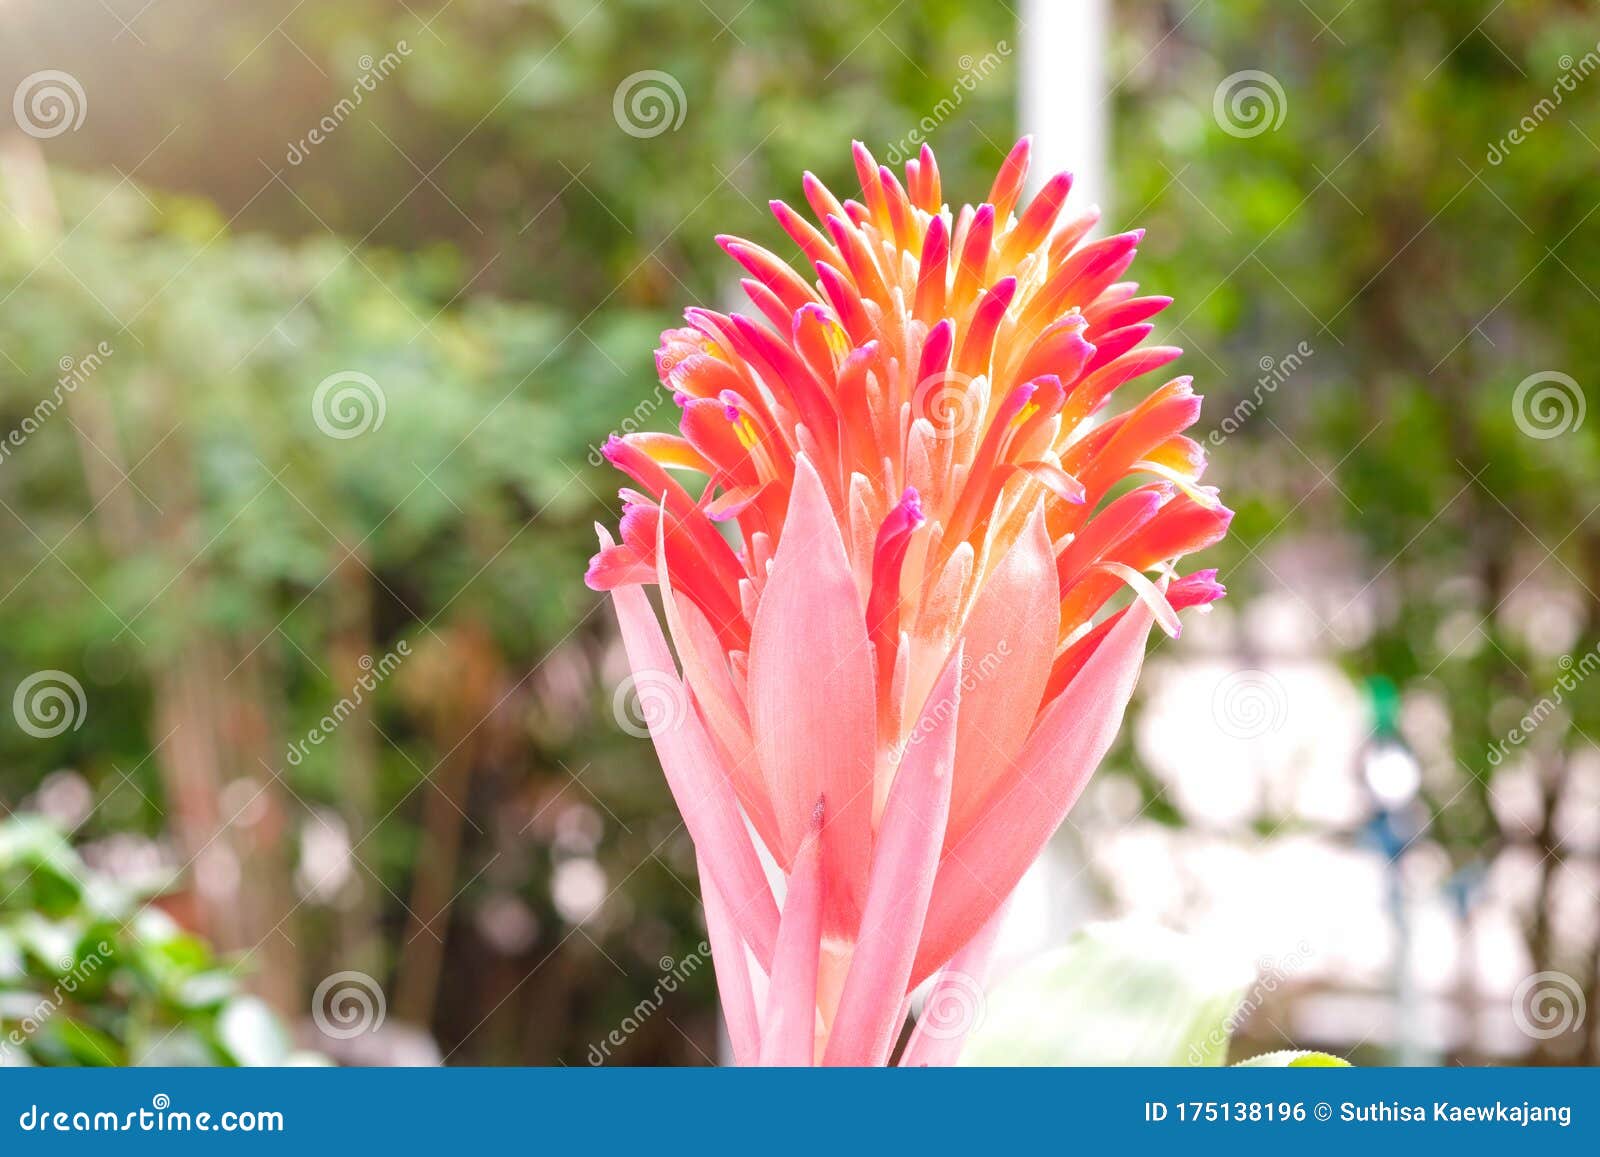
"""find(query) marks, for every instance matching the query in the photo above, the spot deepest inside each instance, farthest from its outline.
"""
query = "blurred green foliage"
(1429, 280)
(1434, 527)
(92, 975)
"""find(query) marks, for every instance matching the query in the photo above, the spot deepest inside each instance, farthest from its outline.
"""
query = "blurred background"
(313, 316)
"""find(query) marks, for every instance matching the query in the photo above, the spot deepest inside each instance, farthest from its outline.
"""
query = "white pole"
(1064, 99)
(1065, 105)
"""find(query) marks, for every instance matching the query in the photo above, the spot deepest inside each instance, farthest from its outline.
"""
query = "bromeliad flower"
(891, 602)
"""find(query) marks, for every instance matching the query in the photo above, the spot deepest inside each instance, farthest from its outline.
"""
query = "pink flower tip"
(1196, 590)
(910, 505)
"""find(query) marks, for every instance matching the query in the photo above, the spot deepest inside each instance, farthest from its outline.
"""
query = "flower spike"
(910, 600)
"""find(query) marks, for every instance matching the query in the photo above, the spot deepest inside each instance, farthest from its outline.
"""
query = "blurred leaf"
(1294, 1059)
(78, 989)
(179, 1047)
(206, 990)
(1116, 994)
(88, 1045)
(251, 1033)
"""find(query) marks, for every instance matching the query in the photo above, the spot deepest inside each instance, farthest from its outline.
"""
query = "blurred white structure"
(1064, 104)
(1065, 93)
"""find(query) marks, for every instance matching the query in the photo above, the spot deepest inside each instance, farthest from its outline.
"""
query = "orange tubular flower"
(904, 672)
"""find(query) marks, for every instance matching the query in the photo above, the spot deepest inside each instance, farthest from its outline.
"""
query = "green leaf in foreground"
(1294, 1059)
(83, 984)
(1116, 994)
